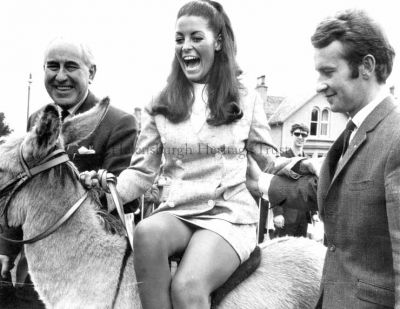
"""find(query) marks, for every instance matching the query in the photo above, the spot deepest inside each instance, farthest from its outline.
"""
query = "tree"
(4, 128)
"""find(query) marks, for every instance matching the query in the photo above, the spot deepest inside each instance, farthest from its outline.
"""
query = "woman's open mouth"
(191, 62)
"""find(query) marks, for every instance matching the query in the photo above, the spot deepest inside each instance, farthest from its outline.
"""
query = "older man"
(69, 70)
(359, 185)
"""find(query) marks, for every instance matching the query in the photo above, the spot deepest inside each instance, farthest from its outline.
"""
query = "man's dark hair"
(300, 126)
(360, 36)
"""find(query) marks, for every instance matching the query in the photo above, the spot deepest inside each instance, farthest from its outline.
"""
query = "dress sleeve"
(145, 162)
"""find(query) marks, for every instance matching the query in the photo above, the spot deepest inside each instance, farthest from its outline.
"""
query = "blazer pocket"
(375, 294)
(231, 191)
(360, 185)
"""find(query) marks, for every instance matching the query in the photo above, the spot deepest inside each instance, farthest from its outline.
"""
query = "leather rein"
(55, 158)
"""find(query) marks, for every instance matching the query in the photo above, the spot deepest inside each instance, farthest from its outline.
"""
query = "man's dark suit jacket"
(296, 200)
(290, 154)
(113, 141)
(359, 203)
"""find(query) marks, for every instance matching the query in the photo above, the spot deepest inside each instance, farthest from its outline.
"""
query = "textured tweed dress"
(204, 174)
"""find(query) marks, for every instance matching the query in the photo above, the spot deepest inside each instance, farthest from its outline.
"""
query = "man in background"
(299, 132)
(294, 202)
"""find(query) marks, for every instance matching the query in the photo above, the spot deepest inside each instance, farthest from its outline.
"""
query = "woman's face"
(195, 46)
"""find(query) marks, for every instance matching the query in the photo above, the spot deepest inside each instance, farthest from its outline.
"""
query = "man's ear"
(92, 72)
(367, 67)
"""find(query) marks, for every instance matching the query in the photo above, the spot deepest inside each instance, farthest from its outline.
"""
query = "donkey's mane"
(65, 171)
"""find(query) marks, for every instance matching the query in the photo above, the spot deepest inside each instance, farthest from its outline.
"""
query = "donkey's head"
(47, 135)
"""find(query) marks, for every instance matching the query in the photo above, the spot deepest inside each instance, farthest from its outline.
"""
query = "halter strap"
(51, 160)
(52, 228)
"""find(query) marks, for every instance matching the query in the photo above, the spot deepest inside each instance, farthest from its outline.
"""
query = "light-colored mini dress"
(204, 171)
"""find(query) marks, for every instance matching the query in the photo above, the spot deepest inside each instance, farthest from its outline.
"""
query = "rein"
(55, 158)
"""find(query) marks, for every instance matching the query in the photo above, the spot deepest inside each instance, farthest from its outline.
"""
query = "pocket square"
(84, 150)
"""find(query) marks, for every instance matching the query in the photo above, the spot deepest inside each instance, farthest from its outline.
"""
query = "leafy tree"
(4, 128)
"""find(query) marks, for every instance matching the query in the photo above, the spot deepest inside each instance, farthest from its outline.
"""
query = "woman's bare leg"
(207, 263)
(156, 238)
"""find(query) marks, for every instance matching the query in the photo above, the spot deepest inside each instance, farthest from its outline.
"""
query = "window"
(314, 121)
(325, 122)
(319, 125)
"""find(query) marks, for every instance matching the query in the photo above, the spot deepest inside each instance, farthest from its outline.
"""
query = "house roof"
(287, 108)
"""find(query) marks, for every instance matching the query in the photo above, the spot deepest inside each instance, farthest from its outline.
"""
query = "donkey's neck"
(65, 265)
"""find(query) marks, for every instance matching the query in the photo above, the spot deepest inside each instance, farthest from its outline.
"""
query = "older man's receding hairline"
(86, 52)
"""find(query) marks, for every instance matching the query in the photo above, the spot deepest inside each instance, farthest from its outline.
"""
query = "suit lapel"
(360, 138)
(90, 101)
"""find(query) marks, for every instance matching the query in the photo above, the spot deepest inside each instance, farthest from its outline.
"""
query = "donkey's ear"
(44, 134)
(77, 128)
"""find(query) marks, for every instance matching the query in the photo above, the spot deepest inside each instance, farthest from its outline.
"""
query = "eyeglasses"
(303, 135)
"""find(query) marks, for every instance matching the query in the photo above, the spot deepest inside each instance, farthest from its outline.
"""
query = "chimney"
(262, 88)
(261, 80)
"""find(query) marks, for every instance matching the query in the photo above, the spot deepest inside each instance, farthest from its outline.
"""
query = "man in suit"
(294, 203)
(359, 184)
(69, 70)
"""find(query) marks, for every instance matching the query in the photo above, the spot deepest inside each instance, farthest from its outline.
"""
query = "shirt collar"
(73, 109)
(362, 114)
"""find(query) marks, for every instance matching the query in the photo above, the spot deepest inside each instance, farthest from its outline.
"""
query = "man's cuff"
(264, 181)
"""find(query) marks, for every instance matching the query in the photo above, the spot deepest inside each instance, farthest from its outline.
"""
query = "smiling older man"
(69, 69)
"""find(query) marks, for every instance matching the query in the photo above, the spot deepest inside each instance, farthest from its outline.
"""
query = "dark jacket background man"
(294, 204)
(359, 183)
(69, 70)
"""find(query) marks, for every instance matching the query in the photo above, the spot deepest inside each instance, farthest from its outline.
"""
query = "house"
(314, 111)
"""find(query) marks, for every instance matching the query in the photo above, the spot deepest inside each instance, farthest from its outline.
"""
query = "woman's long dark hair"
(176, 99)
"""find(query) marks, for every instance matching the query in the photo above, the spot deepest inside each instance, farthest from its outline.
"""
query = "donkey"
(82, 265)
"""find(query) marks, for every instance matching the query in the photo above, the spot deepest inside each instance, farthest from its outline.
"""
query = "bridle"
(55, 158)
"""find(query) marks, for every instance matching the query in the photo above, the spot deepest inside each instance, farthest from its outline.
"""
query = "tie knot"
(350, 126)
(64, 114)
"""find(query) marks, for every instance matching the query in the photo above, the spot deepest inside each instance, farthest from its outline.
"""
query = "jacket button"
(332, 248)
(163, 140)
(211, 203)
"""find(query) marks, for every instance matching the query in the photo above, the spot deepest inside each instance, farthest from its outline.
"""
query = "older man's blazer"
(110, 146)
(359, 202)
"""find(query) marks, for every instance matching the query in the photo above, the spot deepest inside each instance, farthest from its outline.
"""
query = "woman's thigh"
(165, 230)
(208, 259)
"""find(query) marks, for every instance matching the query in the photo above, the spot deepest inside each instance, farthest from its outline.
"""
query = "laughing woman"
(205, 124)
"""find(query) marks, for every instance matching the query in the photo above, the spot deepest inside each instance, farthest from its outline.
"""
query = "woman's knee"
(147, 236)
(188, 290)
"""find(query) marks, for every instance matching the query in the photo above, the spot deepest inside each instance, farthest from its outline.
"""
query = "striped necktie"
(347, 132)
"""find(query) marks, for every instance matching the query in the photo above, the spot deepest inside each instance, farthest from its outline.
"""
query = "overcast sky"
(133, 42)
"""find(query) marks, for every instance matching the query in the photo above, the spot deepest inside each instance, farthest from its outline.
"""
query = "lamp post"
(29, 97)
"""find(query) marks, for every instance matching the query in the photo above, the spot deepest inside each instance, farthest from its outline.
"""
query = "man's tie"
(64, 114)
(347, 132)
